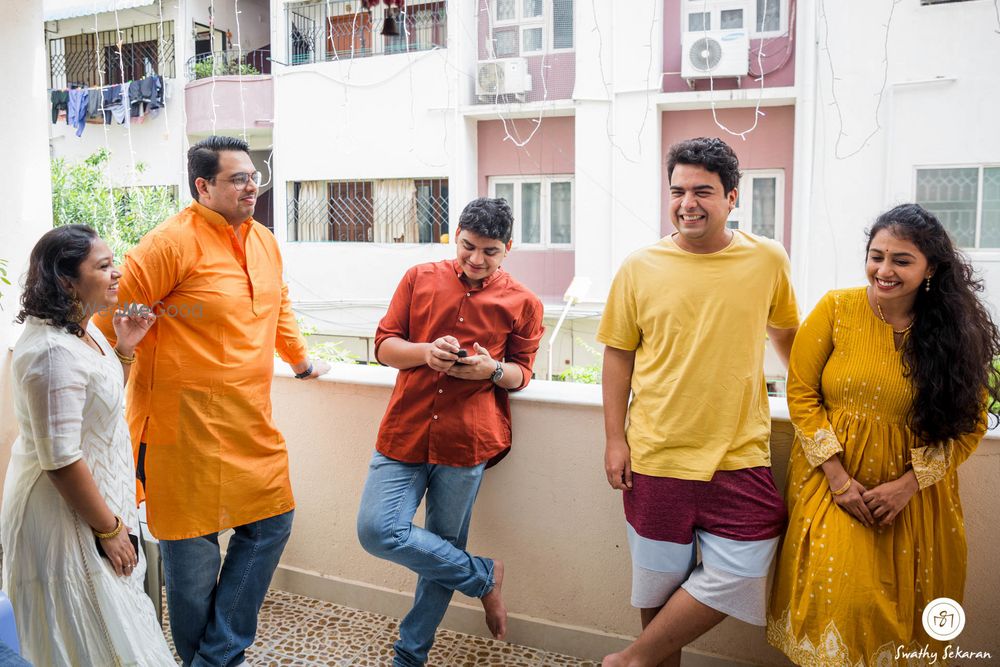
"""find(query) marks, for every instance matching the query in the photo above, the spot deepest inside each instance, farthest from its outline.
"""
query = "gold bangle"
(114, 533)
(842, 490)
(128, 361)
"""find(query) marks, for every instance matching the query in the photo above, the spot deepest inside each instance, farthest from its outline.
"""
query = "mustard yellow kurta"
(200, 393)
(845, 594)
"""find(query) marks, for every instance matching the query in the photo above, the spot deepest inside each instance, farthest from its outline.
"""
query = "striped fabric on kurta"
(845, 594)
(200, 393)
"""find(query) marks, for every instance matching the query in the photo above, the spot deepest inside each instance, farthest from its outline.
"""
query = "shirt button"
(435, 416)
(461, 319)
(440, 391)
(468, 294)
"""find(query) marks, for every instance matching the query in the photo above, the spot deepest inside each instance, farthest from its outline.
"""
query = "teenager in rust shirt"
(447, 418)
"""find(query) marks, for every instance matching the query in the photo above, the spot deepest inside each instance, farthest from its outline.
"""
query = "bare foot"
(496, 610)
(615, 660)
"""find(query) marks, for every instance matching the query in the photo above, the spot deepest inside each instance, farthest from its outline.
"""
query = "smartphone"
(133, 538)
(462, 354)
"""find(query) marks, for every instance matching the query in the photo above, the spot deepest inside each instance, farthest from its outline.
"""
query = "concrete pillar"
(25, 187)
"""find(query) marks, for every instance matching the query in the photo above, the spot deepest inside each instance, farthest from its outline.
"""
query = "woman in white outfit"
(70, 485)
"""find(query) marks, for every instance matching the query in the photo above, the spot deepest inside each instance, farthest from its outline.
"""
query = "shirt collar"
(214, 217)
(486, 281)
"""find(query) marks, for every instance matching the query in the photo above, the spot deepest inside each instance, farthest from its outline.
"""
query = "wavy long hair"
(55, 262)
(948, 356)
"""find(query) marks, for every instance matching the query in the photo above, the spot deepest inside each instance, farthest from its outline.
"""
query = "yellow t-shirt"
(697, 325)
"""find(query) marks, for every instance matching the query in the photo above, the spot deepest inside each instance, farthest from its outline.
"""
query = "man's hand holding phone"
(478, 366)
(442, 354)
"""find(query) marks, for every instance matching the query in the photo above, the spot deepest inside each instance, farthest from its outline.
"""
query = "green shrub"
(211, 67)
(588, 374)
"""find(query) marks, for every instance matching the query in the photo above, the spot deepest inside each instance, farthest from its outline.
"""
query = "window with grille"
(112, 56)
(531, 27)
(542, 207)
(399, 210)
(966, 200)
(760, 206)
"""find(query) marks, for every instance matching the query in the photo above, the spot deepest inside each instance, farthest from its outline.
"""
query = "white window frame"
(743, 215)
(545, 182)
(715, 7)
(546, 22)
(981, 166)
(782, 21)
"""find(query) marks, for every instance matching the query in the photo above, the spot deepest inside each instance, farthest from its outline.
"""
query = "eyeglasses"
(240, 181)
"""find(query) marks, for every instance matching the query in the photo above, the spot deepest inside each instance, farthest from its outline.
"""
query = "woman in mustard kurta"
(885, 389)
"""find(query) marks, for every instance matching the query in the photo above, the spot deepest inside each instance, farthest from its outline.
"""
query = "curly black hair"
(711, 154)
(55, 260)
(948, 356)
(487, 217)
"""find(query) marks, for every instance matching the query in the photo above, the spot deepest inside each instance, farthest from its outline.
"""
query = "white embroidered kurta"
(70, 606)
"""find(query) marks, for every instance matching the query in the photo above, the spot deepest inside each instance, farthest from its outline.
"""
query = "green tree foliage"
(3, 278)
(82, 193)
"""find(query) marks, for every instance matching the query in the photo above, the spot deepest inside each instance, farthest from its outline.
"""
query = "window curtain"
(313, 211)
(396, 211)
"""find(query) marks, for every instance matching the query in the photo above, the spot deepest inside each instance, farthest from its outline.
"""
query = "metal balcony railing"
(231, 62)
(112, 56)
(380, 211)
(341, 29)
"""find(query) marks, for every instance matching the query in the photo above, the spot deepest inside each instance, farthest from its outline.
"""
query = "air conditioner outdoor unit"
(715, 53)
(506, 76)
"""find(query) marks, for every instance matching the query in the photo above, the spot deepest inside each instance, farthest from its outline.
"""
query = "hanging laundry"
(94, 99)
(76, 113)
(60, 102)
(116, 104)
(135, 98)
(111, 95)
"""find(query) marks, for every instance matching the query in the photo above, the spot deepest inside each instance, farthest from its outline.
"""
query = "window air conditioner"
(506, 76)
(715, 53)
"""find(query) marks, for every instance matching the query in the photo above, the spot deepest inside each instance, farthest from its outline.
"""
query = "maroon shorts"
(741, 505)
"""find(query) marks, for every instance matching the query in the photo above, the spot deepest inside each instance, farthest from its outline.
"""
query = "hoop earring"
(927, 285)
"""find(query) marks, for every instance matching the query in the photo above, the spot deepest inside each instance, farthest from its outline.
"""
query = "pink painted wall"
(257, 97)
(553, 82)
(778, 59)
(550, 151)
(769, 146)
(547, 273)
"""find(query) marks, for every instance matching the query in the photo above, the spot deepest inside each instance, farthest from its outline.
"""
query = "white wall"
(24, 175)
(938, 108)
(157, 143)
(388, 116)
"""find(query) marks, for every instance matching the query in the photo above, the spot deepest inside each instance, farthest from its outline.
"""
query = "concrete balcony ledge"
(547, 511)
(221, 103)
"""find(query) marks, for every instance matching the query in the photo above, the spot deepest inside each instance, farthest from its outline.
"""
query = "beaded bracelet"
(842, 490)
(114, 533)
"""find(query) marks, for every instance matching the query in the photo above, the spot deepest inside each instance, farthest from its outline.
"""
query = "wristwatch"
(497, 374)
(306, 373)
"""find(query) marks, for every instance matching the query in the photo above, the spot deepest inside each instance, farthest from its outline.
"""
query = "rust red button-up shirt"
(436, 418)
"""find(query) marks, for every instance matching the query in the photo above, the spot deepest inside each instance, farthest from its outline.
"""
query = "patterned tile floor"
(303, 632)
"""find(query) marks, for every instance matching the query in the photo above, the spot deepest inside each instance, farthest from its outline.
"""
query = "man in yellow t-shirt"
(684, 332)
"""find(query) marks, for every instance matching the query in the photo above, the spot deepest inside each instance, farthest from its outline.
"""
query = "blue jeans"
(436, 552)
(213, 612)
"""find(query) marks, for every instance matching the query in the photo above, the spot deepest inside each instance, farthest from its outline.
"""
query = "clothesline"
(125, 103)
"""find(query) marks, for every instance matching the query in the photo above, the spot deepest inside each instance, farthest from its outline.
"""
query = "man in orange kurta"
(199, 402)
